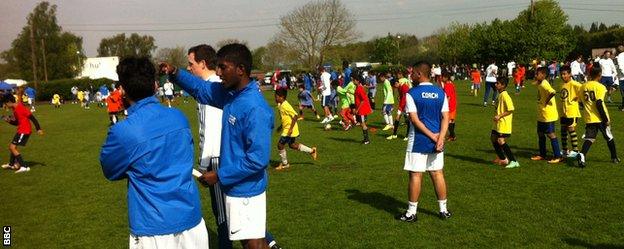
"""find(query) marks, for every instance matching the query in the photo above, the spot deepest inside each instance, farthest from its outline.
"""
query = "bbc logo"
(6, 235)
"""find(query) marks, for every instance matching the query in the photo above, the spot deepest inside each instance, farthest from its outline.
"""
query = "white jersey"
(491, 72)
(209, 129)
(168, 87)
(620, 66)
(510, 67)
(326, 80)
(607, 67)
(575, 68)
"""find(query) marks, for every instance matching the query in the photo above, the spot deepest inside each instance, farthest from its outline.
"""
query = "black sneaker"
(615, 160)
(406, 218)
(445, 215)
(276, 246)
(580, 158)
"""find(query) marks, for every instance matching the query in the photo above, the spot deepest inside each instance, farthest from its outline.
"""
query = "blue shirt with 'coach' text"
(428, 102)
(153, 149)
(245, 136)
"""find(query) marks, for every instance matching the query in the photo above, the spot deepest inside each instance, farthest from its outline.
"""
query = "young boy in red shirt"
(362, 105)
(475, 76)
(449, 90)
(21, 118)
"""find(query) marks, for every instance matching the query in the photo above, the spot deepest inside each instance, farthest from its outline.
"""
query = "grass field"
(346, 199)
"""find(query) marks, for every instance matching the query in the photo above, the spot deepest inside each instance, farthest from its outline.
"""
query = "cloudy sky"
(190, 22)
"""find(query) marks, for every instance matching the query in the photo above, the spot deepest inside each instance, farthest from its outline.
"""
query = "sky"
(191, 22)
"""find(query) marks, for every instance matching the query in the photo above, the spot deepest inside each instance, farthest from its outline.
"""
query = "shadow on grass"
(33, 163)
(340, 139)
(382, 202)
(585, 244)
(275, 163)
(518, 152)
(467, 158)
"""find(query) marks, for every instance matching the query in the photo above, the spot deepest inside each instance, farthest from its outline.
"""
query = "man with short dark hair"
(247, 125)
(153, 149)
(428, 111)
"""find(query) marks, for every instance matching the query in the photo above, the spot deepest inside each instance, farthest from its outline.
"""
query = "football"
(327, 127)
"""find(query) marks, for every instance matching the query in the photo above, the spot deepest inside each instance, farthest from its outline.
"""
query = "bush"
(63, 87)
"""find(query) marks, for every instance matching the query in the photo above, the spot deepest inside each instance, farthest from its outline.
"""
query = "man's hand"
(166, 68)
(440, 145)
(496, 118)
(209, 178)
(40, 132)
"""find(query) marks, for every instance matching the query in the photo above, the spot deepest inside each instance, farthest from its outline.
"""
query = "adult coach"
(326, 92)
(247, 125)
(428, 110)
(153, 149)
(202, 62)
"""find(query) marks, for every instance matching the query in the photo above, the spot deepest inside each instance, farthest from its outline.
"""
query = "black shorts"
(287, 140)
(20, 139)
(499, 135)
(591, 131)
(169, 97)
(568, 121)
(307, 106)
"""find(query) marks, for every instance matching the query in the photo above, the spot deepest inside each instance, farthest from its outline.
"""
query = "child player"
(475, 75)
(502, 126)
(21, 118)
(305, 102)
(449, 91)
(114, 105)
(290, 130)
(546, 117)
(596, 116)
(56, 100)
(404, 86)
(388, 102)
(348, 120)
(362, 105)
(570, 93)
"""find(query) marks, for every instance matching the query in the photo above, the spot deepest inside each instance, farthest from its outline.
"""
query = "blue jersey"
(305, 98)
(104, 90)
(247, 125)
(153, 149)
(30, 92)
(307, 82)
(428, 102)
(347, 77)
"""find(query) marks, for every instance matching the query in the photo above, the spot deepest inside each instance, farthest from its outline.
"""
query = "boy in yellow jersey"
(596, 116)
(81, 98)
(502, 126)
(56, 100)
(569, 94)
(290, 130)
(546, 117)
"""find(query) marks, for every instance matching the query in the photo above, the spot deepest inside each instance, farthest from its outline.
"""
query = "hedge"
(63, 87)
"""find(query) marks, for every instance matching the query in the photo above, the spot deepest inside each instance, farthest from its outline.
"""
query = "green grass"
(346, 199)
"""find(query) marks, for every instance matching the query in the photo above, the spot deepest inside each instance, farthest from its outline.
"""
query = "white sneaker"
(572, 154)
(6, 166)
(325, 120)
(333, 117)
(22, 170)
(405, 138)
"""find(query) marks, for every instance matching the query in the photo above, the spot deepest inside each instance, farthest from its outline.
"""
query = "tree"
(134, 45)
(257, 55)
(224, 42)
(312, 28)
(547, 35)
(385, 49)
(176, 56)
(62, 50)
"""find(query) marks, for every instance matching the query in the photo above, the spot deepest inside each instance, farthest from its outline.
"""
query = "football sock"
(304, 148)
(442, 204)
(396, 127)
(586, 145)
(498, 150)
(451, 128)
(12, 160)
(554, 142)
(282, 154)
(542, 145)
(574, 140)
(386, 119)
(365, 133)
(412, 208)
(564, 139)
(269, 238)
(301, 113)
(19, 160)
(611, 144)
(508, 152)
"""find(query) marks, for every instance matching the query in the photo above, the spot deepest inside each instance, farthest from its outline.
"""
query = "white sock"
(282, 154)
(304, 148)
(411, 208)
(442, 204)
(386, 119)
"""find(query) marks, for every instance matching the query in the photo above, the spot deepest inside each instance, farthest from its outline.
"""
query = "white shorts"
(196, 237)
(421, 162)
(246, 216)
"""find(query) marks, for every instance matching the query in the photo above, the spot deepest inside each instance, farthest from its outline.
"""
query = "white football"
(327, 127)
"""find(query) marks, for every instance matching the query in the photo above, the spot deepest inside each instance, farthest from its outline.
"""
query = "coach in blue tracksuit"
(247, 125)
(153, 149)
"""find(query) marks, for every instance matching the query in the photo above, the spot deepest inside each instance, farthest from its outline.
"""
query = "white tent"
(17, 82)
(100, 67)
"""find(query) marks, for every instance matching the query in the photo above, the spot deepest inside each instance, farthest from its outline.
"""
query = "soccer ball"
(327, 126)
